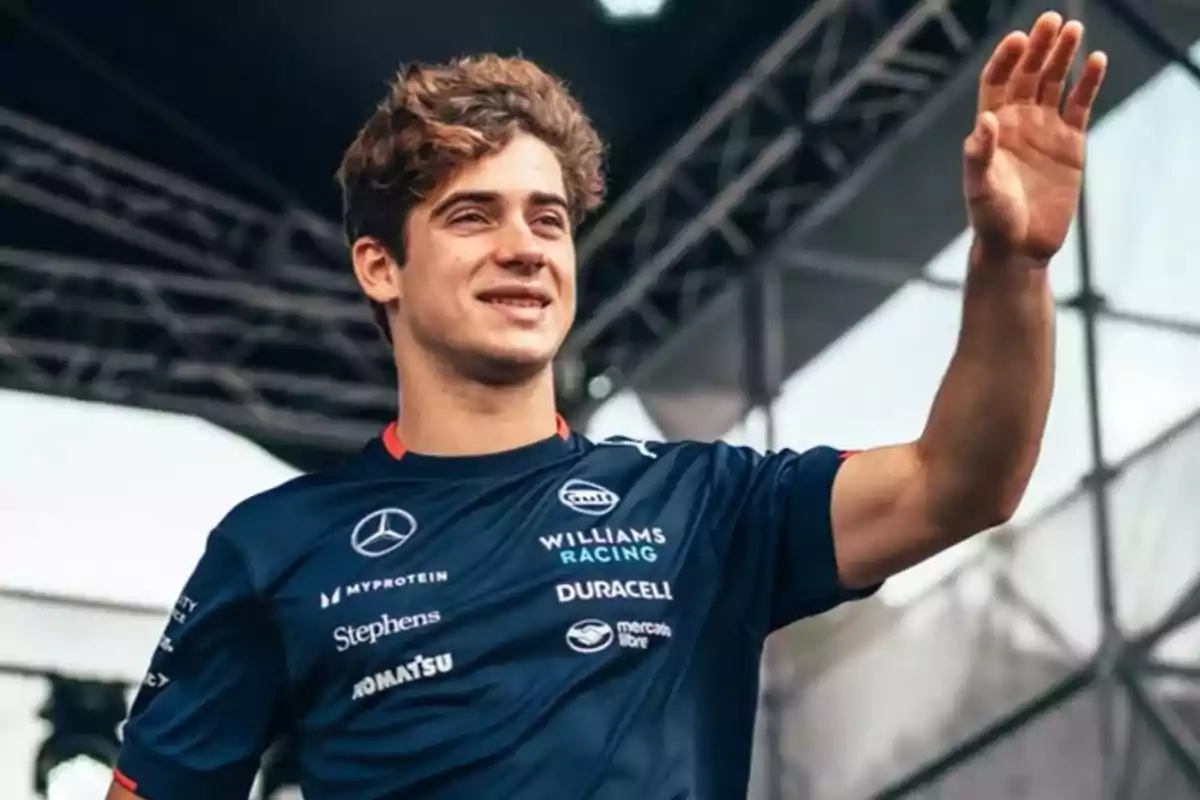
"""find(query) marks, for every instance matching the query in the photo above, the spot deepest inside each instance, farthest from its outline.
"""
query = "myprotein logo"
(606, 545)
(593, 635)
(418, 669)
(381, 585)
(613, 590)
(348, 636)
(587, 498)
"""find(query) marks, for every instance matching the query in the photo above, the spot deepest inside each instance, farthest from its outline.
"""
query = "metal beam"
(207, 346)
(892, 274)
(237, 297)
(1155, 40)
(165, 214)
(798, 123)
(928, 773)
(1174, 738)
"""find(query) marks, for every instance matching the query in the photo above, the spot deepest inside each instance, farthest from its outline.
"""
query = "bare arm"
(896, 506)
(1023, 165)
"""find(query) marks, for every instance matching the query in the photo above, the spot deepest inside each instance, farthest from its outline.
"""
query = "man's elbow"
(982, 510)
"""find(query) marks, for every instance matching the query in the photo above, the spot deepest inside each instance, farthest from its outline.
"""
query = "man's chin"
(509, 366)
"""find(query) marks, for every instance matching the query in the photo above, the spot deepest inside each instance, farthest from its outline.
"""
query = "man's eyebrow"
(484, 198)
(454, 198)
(549, 199)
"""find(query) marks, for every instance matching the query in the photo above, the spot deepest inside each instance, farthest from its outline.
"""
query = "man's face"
(489, 276)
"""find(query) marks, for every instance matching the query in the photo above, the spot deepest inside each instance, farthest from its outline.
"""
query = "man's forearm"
(984, 432)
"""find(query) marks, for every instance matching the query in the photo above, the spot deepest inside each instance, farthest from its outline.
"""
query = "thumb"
(980, 146)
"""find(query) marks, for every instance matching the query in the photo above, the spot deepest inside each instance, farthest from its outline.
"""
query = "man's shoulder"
(715, 454)
(632, 449)
(278, 520)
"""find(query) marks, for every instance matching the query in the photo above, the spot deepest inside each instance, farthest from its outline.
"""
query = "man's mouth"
(516, 297)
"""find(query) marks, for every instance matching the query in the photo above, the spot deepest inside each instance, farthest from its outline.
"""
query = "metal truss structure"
(242, 316)
(1124, 665)
(762, 160)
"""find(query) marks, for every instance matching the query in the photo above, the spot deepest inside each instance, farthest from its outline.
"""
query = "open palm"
(1023, 162)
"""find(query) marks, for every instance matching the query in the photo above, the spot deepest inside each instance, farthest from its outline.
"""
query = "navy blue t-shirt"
(569, 620)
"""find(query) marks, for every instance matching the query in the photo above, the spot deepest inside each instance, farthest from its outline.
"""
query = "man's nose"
(519, 249)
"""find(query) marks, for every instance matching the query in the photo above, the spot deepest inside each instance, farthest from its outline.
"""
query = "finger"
(1023, 87)
(1054, 75)
(1078, 108)
(980, 147)
(993, 82)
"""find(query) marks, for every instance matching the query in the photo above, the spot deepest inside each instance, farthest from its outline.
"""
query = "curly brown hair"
(436, 118)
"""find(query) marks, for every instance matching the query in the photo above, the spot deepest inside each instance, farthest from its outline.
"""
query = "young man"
(483, 604)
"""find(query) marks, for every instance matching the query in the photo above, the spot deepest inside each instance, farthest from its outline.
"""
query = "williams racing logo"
(606, 545)
(593, 635)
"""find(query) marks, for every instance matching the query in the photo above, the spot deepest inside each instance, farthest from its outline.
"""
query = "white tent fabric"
(113, 503)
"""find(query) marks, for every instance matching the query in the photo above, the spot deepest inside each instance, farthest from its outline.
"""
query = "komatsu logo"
(587, 498)
(418, 669)
(606, 545)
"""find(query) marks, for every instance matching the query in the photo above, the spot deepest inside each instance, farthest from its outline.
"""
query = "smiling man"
(483, 604)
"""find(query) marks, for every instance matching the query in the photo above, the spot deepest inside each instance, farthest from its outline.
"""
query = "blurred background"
(778, 265)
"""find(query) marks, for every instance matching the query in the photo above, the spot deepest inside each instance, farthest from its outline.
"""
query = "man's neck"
(450, 416)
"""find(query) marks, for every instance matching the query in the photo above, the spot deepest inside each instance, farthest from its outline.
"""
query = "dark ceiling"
(281, 87)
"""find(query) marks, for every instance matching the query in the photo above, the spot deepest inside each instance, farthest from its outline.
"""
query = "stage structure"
(245, 315)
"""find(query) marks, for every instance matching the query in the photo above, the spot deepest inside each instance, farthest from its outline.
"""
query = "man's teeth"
(525, 302)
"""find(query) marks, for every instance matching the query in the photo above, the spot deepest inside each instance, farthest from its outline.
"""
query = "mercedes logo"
(382, 531)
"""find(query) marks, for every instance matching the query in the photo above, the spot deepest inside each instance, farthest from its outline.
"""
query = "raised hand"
(1023, 162)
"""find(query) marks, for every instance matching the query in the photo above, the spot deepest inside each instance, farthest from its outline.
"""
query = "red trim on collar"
(391, 436)
(124, 781)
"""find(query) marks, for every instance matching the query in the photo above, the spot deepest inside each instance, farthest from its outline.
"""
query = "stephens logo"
(348, 636)
(587, 498)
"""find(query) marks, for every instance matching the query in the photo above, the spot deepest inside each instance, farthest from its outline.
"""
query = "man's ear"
(376, 270)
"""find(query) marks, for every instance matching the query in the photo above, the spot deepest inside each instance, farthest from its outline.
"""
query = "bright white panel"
(1149, 380)
(623, 415)
(1143, 179)
(21, 733)
(114, 503)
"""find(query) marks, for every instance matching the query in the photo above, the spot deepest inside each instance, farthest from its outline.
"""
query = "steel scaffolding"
(1122, 663)
(764, 159)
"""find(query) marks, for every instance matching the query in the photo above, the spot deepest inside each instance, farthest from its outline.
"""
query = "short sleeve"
(781, 558)
(206, 710)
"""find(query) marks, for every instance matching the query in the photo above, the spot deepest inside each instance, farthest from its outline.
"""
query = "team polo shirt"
(568, 620)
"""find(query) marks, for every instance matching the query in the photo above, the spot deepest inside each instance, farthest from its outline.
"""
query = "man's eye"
(468, 217)
(552, 220)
